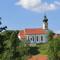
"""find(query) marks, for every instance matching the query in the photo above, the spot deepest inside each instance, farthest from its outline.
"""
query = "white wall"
(43, 25)
(45, 39)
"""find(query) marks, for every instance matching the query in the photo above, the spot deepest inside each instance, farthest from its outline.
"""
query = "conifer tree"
(2, 28)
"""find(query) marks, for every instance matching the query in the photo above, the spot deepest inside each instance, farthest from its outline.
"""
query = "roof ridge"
(33, 28)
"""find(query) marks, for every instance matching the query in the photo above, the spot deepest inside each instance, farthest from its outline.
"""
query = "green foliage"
(8, 45)
(54, 49)
(33, 50)
(1, 44)
(11, 48)
(43, 48)
(50, 34)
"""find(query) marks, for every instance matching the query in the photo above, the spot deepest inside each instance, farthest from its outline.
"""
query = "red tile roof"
(31, 32)
(35, 31)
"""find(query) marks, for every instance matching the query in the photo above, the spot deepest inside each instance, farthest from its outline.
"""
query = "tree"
(50, 34)
(10, 43)
(2, 40)
(13, 39)
(1, 44)
(2, 28)
(54, 48)
(6, 45)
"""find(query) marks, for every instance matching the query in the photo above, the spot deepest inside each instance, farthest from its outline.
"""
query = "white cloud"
(58, 31)
(38, 5)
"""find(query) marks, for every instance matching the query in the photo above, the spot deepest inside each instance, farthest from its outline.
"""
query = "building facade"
(35, 35)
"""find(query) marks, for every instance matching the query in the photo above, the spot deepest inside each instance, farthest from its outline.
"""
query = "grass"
(43, 48)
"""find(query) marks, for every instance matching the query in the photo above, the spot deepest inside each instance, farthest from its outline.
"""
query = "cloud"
(38, 5)
(58, 31)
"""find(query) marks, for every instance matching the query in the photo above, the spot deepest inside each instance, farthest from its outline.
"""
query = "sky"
(21, 14)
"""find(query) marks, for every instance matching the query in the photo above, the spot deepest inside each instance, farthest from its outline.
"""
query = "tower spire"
(45, 23)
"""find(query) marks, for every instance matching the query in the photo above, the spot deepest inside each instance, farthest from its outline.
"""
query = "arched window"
(37, 38)
(33, 38)
(41, 38)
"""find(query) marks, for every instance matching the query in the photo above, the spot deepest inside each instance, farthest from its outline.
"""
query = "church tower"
(45, 23)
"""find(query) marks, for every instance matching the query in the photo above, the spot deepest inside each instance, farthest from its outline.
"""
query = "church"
(35, 35)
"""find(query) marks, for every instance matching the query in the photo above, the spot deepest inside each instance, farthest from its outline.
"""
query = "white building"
(35, 35)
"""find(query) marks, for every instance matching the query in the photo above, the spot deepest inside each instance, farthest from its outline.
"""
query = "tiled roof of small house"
(31, 31)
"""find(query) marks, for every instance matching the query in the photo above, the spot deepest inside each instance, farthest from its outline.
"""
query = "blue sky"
(20, 16)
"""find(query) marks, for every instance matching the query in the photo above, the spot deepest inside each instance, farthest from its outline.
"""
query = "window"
(33, 38)
(37, 38)
(41, 38)
(28, 37)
